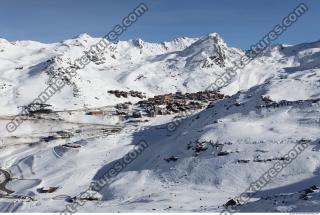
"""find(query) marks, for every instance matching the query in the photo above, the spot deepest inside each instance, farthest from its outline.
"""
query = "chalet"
(167, 98)
(118, 112)
(95, 113)
(180, 101)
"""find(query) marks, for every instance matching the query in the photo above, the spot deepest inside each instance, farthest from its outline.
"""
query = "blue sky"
(240, 22)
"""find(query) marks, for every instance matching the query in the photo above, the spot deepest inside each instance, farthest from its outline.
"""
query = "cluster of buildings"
(178, 102)
(125, 94)
(170, 103)
(273, 104)
(37, 108)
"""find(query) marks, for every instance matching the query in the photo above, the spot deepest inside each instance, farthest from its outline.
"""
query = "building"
(95, 113)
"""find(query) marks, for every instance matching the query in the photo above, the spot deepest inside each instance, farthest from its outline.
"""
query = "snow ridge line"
(259, 47)
(70, 72)
(254, 51)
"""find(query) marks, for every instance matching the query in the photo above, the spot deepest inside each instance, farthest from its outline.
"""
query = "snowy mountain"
(272, 105)
(179, 65)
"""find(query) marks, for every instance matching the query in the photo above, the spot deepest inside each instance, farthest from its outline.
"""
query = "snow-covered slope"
(253, 137)
(273, 105)
(182, 64)
(185, 64)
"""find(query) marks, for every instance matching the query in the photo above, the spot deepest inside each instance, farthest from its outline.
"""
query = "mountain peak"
(138, 42)
(209, 47)
(214, 34)
(215, 37)
(83, 36)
